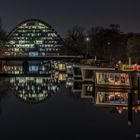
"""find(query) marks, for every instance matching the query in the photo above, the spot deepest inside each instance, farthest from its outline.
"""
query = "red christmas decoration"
(135, 67)
(118, 65)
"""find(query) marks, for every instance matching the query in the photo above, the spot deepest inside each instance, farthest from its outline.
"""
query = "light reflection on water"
(34, 89)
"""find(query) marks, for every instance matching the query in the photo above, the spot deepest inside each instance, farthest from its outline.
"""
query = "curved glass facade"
(33, 38)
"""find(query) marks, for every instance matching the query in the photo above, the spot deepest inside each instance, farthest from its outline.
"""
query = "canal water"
(62, 116)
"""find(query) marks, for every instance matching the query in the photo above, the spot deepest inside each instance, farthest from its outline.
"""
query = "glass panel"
(88, 74)
(77, 71)
(32, 54)
(78, 85)
(33, 68)
(33, 34)
(113, 78)
(89, 90)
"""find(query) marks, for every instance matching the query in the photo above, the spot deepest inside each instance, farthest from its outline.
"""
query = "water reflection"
(3, 90)
(34, 81)
(37, 67)
(34, 89)
(112, 98)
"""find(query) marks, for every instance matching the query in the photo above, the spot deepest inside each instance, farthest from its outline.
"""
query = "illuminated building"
(33, 38)
(63, 71)
(69, 70)
(104, 86)
(112, 87)
(77, 80)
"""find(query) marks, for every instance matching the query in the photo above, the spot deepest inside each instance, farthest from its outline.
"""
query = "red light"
(135, 67)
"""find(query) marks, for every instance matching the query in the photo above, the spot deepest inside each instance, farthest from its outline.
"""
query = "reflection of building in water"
(84, 80)
(40, 67)
(87, 91)
(34, 89)
(77, 81)
(62, 74)
(112, 88)
(32, 39)
(116, 98)
(104, 86)
(69, 70)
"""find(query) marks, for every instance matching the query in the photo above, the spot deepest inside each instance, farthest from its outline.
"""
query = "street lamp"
(87, 46)
(109, 51)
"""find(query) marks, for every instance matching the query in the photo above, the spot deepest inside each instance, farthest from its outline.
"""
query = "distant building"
(33, 38)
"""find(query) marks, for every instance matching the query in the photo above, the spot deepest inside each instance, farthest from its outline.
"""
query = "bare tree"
(74, 43)
(3, 37)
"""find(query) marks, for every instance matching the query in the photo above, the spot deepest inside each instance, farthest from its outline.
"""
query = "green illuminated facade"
(33, 38)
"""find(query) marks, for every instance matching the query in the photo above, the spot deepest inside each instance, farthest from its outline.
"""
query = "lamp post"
(109, 51)
(87, 46)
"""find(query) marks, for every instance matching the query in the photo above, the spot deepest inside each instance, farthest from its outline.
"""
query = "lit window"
(32, 54)
(33, 68)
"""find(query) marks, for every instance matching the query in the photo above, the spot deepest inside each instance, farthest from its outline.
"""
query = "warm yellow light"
(87, 38)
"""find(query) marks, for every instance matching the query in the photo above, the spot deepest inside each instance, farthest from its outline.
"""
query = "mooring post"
(138, 88)
(94, 92)
(130, 105)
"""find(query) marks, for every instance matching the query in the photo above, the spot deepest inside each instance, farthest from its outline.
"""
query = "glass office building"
(33, 38)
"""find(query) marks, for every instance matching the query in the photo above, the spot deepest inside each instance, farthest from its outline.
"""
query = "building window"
(33, 68)
(113, 78)
(32, 54)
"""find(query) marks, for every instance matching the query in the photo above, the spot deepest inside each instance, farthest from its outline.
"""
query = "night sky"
(63, 14)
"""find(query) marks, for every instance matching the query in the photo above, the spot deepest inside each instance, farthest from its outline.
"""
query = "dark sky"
(63, 14)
